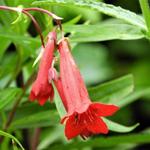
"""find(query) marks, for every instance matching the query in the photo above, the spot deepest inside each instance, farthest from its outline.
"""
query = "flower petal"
(104, 109)
(85, 133)
(42, 100)
(32, 96)
(72, 129)
(98, 126)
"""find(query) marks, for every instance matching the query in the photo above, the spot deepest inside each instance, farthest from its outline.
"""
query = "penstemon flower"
(42, 89)
(83, 117)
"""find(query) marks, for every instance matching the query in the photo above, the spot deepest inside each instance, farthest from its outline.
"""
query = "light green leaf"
(20, 16)
(59, 105)
(113, 91)
(107, 9)
(12, 137)
(18, 38)
(113, 126)
(14, 145)
(138, 93)
(103, 32)
(73, 21)
(8, 95)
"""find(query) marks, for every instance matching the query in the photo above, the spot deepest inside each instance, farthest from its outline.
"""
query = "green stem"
(146, 13)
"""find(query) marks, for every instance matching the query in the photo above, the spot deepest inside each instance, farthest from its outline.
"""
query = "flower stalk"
(146, 13)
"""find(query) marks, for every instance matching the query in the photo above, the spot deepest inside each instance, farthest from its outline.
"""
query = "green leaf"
(14, 145)
(4, 44)
(50, 137)
(59, 105)
(140, 138)
(113, 126)
(73, 21)
(138, 93)
(39, 119)
(8, 95)
(107, 9)
(8, 65)
(103, 32)
(113, 91)
(18, 38)
(12, 137)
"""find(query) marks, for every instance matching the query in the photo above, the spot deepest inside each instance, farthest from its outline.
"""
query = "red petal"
(104, 109)
(85, 134)
(72, 129)
(98, 126)
(32, 96)
(42, 100)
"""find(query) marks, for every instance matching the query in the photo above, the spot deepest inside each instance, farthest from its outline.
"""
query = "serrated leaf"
(113, 91)
(8, 95)
(12, 137)
(107, 9)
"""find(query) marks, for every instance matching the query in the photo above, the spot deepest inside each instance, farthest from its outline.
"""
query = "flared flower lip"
(88, 122)
(85, 108)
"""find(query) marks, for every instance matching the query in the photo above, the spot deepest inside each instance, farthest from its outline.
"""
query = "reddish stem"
(36, 26)
(29, 15)
(55, 17)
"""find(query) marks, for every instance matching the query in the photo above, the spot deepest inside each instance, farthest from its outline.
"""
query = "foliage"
(110, 45)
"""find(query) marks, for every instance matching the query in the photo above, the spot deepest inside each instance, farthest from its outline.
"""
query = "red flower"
(83, 116)
(42, 89)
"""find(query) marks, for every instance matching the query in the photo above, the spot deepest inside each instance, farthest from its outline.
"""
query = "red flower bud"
(42, 88)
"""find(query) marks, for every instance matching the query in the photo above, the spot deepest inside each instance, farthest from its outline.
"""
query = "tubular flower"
(83, 117)
(42, 88)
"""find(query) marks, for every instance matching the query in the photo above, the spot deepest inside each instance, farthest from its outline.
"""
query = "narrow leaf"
(113, 91)
(140, 138)
(107, 9)
(138, 93)
(113, 126)
(14, 145)
(12, 137)
(8, 95)
(39, 119)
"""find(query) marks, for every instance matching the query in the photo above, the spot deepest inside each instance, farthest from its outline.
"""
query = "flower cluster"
(83, 117)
